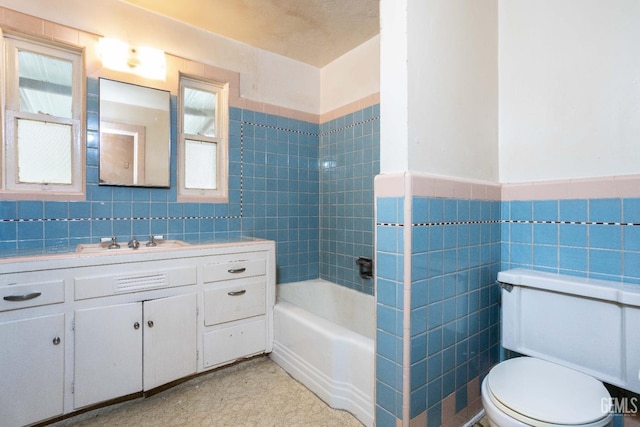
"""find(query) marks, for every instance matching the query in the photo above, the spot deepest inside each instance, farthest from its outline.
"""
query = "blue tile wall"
(273, 194)
(389, 308)
(455, 314)
(349, 160)
(279, 178)
(597, 238)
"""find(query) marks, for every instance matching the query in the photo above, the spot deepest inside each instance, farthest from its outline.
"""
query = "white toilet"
(579, 333)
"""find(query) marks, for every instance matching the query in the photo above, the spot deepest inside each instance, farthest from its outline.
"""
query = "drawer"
(229, 344)
(236, 300)
(24, 295)
(235, 266)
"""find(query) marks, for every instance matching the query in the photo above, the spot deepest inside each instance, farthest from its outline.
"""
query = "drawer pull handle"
(237, 270)
(237, 293)
(26, 297)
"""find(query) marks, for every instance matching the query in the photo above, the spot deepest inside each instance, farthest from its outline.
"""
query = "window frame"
(221, 193)
(10, 187)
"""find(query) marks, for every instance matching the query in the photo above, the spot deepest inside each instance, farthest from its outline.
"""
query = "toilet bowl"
(526, 391)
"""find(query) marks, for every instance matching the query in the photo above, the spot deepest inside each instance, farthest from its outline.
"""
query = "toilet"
(574, 334)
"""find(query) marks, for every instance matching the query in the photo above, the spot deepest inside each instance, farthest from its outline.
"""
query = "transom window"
(203, 141)
(43, 138)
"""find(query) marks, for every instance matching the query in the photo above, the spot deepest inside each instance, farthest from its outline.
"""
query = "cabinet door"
(169, 339)
(108, 353)
(31, 370)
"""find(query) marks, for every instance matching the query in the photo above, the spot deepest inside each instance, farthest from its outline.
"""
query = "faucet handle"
(152, 241)
(114, 243)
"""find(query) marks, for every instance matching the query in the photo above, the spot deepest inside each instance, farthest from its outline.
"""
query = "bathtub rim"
(368, 330)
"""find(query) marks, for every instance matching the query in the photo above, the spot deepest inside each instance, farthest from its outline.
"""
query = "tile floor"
(256, 392)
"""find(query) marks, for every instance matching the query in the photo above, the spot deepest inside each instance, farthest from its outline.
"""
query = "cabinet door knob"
(136, 325)
(56, 341)
(150, 323)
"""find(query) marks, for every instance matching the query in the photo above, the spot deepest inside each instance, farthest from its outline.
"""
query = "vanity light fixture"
(144, 61)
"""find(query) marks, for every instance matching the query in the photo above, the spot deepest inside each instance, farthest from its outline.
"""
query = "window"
(202, 152)
(43, 139)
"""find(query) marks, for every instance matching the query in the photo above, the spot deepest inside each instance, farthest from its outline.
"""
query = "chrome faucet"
(152, 241)
(114, 244)
(134, 243)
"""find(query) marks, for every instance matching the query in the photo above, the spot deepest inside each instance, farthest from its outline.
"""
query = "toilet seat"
(541, 393)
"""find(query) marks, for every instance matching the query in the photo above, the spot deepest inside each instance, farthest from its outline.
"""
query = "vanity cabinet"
(235, 303)
(31, 369)
(108, 353)
(77, 331)
(144, 345)
(32, 347)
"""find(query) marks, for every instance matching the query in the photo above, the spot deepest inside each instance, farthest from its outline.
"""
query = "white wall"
(351, 77)
(394, 104)
(569, 89)
(448, 51)
(453, 88)
(264, 76)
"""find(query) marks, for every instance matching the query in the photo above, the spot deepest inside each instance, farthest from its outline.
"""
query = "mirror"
(135, 135)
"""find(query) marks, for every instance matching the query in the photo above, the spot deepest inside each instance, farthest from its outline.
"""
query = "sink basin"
(104, 247)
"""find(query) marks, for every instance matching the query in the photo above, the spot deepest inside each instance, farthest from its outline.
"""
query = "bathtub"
(323, 337)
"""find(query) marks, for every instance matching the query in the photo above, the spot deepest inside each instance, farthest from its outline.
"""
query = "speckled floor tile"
(253, 393)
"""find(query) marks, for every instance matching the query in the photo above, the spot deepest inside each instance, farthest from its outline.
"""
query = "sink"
(94, 248)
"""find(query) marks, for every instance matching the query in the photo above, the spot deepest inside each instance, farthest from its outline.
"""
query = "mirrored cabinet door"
(135, 134)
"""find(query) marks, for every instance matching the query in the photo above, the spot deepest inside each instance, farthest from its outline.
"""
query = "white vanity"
(81, 329)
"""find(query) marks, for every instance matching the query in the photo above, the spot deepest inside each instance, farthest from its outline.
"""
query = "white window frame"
(10, 187)
(221, 193)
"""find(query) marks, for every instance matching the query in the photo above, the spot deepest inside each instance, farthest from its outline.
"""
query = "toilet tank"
(589, 325)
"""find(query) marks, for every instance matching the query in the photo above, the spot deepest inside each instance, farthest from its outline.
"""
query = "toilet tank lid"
(607, 290)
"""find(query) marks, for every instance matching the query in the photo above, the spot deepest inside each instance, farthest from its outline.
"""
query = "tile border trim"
(607, 187)
(428, 185)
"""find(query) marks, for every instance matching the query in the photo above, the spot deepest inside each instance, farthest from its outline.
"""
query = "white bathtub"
(323, 337)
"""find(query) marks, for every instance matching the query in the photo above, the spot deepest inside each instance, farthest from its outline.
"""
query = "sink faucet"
(114, 244)
(134, 244)
(152, 241)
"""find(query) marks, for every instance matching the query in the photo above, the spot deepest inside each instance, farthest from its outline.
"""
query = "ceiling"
(312, 31)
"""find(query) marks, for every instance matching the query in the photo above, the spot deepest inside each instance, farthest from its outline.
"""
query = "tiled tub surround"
(349, 161)
(273, 193)
(278, 177)
(438, 254)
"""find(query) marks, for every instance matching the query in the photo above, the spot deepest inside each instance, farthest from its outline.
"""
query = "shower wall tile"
(349, 160)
